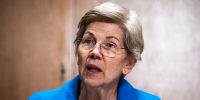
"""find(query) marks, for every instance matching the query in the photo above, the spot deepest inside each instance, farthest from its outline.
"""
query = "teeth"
(94, 69)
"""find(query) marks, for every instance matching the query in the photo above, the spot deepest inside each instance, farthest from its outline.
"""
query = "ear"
(129, 65)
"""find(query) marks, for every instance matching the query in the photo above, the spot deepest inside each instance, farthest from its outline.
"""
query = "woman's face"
(96, 69)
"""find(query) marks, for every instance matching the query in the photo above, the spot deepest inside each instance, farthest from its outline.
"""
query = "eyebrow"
(112, 37)
(91, 34)
(108, 37)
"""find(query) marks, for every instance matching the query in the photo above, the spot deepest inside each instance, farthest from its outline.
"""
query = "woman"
(108, 44)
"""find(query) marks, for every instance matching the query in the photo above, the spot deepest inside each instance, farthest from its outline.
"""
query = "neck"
(108, 92)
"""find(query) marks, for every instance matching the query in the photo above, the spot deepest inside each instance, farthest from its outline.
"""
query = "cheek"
(82, 57)
(114, 67)
(79, 62)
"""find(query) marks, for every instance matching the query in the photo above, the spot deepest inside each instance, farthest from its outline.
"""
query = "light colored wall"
(171, 59)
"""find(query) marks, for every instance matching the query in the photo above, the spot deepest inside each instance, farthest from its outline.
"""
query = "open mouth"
(93, 68)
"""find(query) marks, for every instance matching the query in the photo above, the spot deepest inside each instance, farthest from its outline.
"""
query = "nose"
(96, 52)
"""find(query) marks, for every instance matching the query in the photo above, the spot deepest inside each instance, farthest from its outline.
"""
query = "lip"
(93, 72)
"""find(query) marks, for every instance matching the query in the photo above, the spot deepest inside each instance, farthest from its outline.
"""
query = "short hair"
(113, 13)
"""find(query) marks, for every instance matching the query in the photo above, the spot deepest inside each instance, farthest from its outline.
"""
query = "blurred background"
(36, 46)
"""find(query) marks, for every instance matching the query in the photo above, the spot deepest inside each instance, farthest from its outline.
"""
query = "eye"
(88, 41)
(110, 45)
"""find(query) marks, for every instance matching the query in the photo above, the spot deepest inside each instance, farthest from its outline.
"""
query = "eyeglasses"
(107, 48)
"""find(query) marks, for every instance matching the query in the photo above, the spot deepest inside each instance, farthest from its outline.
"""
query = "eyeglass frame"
(78, 42)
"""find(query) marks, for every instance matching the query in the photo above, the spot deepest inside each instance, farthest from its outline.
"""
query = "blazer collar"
(125, 90)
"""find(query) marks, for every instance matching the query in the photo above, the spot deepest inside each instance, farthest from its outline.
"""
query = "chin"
(92, 82)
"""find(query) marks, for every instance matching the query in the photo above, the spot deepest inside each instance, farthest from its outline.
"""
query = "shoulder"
(68, 91)
(54, 94)
(127, 92)
(146, 96)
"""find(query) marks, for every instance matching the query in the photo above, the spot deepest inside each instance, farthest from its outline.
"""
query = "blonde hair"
(127, 19)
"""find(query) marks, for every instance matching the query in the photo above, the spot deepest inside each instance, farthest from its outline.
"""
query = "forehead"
(103, 30)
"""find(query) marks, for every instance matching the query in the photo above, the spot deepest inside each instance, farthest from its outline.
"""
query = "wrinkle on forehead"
(103, 30)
